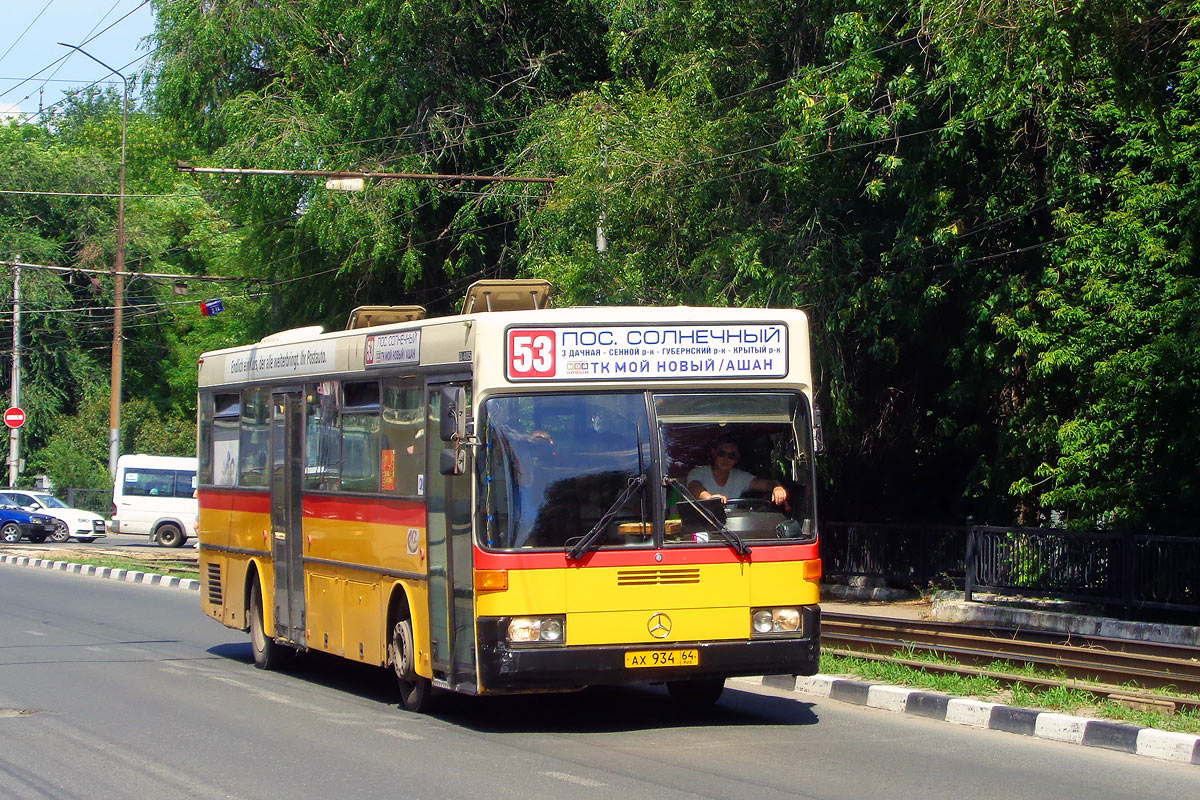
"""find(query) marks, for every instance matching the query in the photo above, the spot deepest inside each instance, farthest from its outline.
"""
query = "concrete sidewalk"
(1003, 612)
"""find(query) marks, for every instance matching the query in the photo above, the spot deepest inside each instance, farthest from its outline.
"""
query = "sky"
(36, 72)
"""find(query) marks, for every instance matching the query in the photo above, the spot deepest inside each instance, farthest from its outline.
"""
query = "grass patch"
(901, 675)
(1062, 699)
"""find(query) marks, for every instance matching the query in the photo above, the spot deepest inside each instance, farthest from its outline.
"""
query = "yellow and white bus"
(504, 500)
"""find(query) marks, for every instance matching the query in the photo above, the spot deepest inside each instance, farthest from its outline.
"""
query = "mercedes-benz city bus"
(504, 500)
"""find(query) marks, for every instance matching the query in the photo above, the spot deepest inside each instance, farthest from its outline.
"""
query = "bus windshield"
(598, 468)
(557, 464)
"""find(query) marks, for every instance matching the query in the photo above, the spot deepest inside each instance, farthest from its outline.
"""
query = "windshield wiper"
(734, 541)
(594, 536)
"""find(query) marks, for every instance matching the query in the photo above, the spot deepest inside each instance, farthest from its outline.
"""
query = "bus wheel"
(170, 535)
(698, 692)
(268, 654)
(414, 689)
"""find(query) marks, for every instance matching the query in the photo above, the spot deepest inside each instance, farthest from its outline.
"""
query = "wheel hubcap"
(401, 650)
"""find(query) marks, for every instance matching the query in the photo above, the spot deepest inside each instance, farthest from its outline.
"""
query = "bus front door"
(287, 454)
(451, 579)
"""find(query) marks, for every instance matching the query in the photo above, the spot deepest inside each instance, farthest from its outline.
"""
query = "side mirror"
(453, 461)
(453, 422)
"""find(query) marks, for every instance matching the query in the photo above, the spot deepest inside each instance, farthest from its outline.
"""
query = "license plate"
(636, 659)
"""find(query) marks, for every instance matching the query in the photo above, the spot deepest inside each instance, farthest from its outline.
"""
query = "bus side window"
(402, 457)
(204, 445)
(360, 436)
(222, 471)
(254, 438)
(323, 438)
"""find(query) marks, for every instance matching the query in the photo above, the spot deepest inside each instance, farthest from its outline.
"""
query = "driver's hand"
(779, 496)
(720, 497)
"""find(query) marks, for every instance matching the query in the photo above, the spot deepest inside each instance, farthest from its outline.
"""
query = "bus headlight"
(544, 630)
(775, 621)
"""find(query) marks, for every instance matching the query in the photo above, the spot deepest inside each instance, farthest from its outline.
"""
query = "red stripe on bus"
(257, 502)
(643, 557)
(385, 511)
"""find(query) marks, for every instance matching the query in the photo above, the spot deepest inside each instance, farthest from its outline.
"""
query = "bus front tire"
(414, 689)
(700, 693)
(268, 654)
(170, 535)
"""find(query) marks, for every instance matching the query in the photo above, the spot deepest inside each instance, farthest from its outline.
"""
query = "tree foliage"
(987, 209)
(66, 228)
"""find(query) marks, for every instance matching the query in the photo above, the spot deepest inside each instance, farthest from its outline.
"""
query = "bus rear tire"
(268, 654)
(414, 689)
(700, 692)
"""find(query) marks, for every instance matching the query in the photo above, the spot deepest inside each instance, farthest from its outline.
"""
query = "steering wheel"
(750, 504)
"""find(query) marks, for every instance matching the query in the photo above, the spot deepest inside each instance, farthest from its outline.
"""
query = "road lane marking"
(411, 737)
(575, 779)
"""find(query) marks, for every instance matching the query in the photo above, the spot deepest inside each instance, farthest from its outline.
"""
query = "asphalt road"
(115, 690)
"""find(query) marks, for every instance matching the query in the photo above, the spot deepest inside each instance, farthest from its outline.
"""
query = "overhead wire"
(21, 35)
(62, 59)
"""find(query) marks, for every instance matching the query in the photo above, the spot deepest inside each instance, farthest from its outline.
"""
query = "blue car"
(16, 522)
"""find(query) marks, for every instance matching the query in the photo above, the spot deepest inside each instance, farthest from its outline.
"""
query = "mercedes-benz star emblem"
(659, 626)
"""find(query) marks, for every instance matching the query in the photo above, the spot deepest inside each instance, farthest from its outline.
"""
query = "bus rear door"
(287, 547)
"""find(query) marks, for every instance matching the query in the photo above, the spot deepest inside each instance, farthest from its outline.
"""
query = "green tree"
(69, 163)
(987, 210)
(424, 86)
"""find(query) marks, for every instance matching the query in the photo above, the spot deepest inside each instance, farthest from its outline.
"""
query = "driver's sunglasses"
(727, 454)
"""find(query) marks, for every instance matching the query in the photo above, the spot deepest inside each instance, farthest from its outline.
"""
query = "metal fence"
(1134, 572)
(896, 556)
(96, 500)
(1130, 571)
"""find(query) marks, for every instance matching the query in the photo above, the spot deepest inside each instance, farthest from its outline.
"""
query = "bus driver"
(723, 480)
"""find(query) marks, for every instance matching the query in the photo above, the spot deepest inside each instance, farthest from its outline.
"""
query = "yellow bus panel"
(685, 624)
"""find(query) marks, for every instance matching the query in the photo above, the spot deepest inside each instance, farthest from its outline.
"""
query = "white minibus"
(155, 496)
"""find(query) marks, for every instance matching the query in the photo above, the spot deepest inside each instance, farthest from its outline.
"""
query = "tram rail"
(1137, 673)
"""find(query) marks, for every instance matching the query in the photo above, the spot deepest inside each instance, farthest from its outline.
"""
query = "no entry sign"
(14, 417)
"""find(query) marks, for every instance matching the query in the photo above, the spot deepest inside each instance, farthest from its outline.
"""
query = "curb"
(1183, 748)
(112, 573)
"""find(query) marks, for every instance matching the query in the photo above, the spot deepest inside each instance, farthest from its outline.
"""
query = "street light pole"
(114, 401)
(14, 434)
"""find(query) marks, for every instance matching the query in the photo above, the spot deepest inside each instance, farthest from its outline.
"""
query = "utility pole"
(114, 401)
(14, 434)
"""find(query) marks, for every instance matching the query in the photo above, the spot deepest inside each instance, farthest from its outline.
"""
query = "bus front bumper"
(506, 668)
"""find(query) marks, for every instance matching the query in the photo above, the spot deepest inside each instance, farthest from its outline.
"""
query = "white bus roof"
(479, 340)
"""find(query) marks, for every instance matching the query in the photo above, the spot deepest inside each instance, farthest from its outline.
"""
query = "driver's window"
(732, 460)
